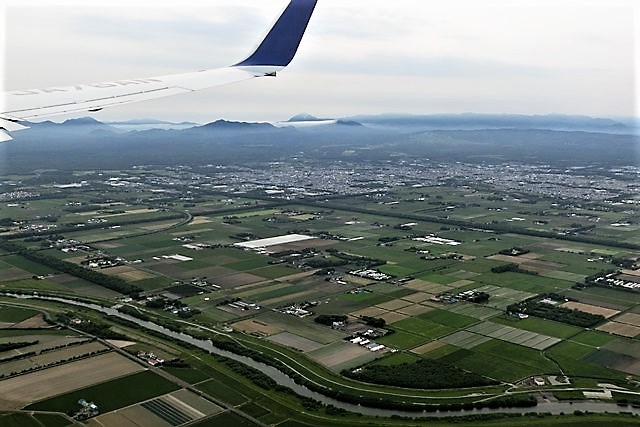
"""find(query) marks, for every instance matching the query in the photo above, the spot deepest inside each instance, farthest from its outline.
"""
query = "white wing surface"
(274, 53)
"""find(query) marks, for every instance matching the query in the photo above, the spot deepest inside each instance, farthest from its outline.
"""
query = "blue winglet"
(281, 44)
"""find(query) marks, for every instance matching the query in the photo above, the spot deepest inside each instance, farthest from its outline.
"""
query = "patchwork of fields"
(411, 296)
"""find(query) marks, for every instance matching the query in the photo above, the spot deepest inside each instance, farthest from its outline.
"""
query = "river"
(282, 379)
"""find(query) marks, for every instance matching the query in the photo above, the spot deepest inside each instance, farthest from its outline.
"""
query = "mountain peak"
(305, 117)
(222, 124)
(82, 121)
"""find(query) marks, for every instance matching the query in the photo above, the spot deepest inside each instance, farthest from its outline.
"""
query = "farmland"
(420, 292)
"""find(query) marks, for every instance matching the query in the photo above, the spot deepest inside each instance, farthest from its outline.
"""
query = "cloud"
(357, 56)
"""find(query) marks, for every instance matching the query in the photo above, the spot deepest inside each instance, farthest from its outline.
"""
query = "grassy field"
(15, 314)
(21, 419)
(422, 328)
(110, 395)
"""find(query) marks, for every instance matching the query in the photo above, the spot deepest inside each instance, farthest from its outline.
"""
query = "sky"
(357, 56)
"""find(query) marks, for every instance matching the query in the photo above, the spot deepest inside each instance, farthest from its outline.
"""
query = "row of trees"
(554, 312)
(423, 374)
(512, 267)
(114, 283)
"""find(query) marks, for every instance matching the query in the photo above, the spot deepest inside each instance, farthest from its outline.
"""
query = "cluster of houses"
(151, 358)
(104, 261)
(437, 240)
(370, 274)
(87, 410)
(367, 343)
(471, 296)
(241, 305)
(613, 280)
(299, 309)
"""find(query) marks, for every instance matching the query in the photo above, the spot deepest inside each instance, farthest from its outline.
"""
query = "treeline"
(374, 322)
(111, 282)
(6, 346)
(554, 312)
(98, 329)
(329, 319)
(512, 267)
(134, 312)
(499, 228)
(423, 374)
(66, 228)
(514, 251)
(357, 259)
(321, 262)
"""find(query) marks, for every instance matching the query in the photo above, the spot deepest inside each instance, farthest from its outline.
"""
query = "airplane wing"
(274, 53)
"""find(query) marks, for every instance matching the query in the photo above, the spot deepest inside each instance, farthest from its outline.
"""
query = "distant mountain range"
(473, 121)
(401, 123)
(475, 138)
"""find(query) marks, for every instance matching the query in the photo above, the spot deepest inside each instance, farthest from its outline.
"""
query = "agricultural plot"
(472, 310)
(343, 355)
(181, 406)
(417, 297)
(448, 318)
(426, 286)
(464, 339)
(128, 273)
(565, 275)
(402, 339)
(132, 416)
(393, 317)
(541, 326)
(589, 308)
(42, 341)
(110, 395)
(34, 322)
(629, 318)
(515, 336)
(12, 315)
(614, 360)
(295, 341)
(414, 309)
(306, 328)
(256, 327)
(66, 282)
(49, 357)
(21, 390)
(373, 311)
(25, 265)
(621, 329)
(499, 360)
(393, 304)
(501, 298)
(9, 272)
(463, 274)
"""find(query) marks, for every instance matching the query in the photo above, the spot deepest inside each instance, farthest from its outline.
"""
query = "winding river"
(283, 379)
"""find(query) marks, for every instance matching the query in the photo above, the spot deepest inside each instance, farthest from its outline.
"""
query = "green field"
(361, 231)
(110, 395)
(15, 314)
(21, 419)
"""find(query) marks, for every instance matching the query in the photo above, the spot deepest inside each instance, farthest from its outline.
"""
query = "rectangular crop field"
(622, 329)
(588, 308)
(295, 341)
(465, 339)
(473, 310)
(112, 394)
(18, 391)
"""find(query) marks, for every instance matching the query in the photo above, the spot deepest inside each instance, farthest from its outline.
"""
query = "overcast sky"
(357, 56)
